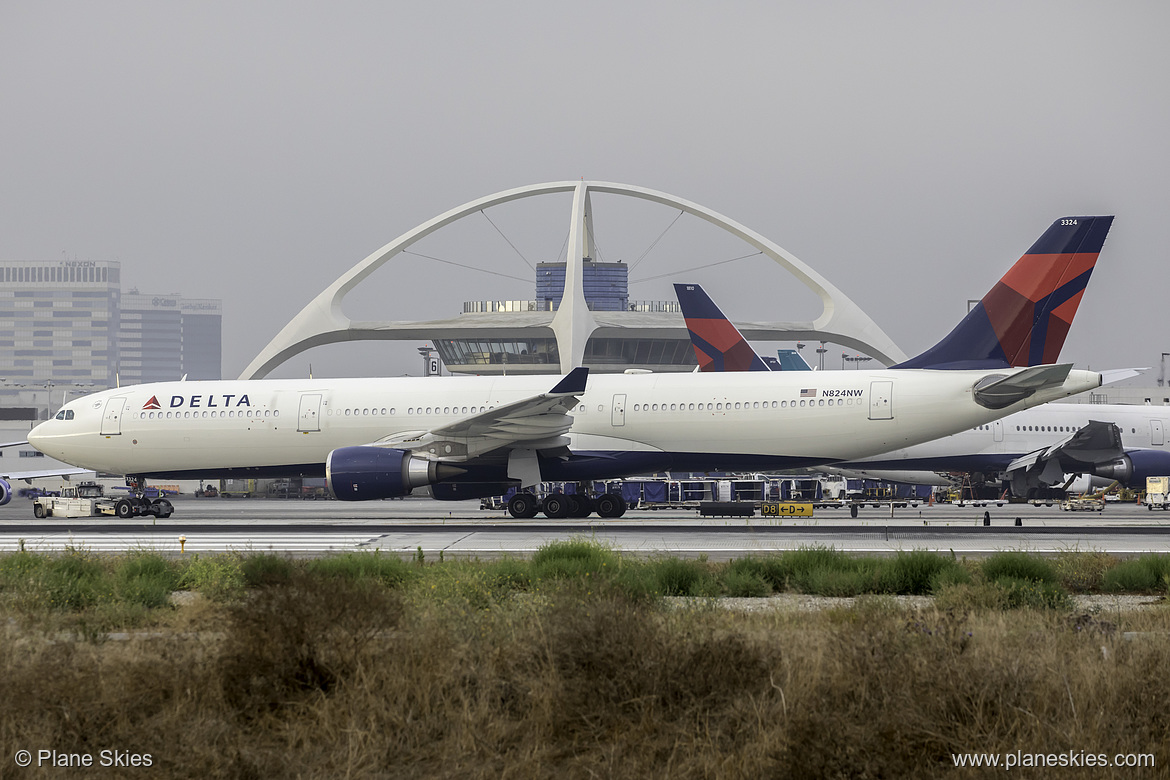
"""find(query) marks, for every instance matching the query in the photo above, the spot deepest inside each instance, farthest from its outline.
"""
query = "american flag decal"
(809, 393)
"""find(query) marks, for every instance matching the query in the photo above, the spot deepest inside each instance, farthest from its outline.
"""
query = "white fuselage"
(991, 446)
(205, 427)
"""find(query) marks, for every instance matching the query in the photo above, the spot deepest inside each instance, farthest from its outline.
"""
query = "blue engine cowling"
(5, 492)
(369, 473)
(1134, 466)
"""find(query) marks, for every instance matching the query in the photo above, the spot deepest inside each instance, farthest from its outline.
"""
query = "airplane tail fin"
(719, 346)
(1024, 319)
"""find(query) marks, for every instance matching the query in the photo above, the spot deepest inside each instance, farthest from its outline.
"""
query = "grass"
(117, 592)
(1148, 573)
(361, 668)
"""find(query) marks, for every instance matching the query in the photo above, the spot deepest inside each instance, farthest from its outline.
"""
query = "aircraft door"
(112, 418)
(619, 410)
(881, 400)
(1157, 436)
(310, 414)
(997, 430)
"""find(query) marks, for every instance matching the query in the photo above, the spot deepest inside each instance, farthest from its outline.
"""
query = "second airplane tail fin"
(1024, 319)
(718, 344)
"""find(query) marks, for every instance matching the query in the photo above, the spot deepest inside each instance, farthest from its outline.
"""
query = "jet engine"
(367, 473)
(5, 492)
(1134, 466)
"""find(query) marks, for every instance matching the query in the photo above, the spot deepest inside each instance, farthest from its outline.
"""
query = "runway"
(462, 529)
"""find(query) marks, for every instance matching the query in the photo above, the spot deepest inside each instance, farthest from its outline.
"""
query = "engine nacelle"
(5, 492)
(1081, 484)
(1134, 466)
(368, 473)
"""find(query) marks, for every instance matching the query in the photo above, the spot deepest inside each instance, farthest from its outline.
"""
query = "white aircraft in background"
(469, 437)
(8, 476)
(1031, 450)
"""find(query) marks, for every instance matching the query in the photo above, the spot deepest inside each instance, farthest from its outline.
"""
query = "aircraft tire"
(124, 509)
(523, 506)
(162, 508)
(853, 511)
(556, 506)
(609, 505)
(580, 506)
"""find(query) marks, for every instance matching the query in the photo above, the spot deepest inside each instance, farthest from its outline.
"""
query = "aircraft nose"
(36, 437)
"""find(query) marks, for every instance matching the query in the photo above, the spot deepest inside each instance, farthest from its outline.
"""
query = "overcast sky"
(910, 152)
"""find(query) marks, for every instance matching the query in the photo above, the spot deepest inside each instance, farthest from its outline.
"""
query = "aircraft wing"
(537, 423)
(28, 476)
(1097, 442)
(901, 477)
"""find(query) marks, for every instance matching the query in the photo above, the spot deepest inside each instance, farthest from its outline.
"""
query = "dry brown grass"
(354, 679)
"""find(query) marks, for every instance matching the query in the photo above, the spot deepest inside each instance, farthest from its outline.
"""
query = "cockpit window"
(64, 414)
(60, 415)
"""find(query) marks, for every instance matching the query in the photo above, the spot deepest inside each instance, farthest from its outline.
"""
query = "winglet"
(573, 383)
(1024, 319)
(719, 346)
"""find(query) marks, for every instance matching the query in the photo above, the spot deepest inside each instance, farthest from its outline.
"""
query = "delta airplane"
(7, 477)
(469, 437)
(1030, 450)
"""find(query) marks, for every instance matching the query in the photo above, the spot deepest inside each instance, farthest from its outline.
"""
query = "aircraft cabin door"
(997, 430)
(619, 410)
(310, 414)
(881, 400)
(1157, 436)
(112, 419)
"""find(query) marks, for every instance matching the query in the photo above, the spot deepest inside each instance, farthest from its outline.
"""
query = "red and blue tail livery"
(718, 344)
(1025, 318)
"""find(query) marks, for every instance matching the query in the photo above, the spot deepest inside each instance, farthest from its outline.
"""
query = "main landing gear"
(525, 506)
(139, 504)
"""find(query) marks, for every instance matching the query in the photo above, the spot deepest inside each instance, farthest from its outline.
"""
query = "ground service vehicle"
(1083, 504)
(89, 499)
(1157, 492)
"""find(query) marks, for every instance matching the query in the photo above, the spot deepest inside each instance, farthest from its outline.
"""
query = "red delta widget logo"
(222, 401)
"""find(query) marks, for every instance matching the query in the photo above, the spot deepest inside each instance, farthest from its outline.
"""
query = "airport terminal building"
(515, 336)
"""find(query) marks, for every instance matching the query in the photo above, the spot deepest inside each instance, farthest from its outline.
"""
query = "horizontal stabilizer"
(998, 392)
(1121, 374)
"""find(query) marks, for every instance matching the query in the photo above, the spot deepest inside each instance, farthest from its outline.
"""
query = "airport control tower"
(606, 285)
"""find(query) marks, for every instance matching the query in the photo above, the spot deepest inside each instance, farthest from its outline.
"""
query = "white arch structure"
(322, 321)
